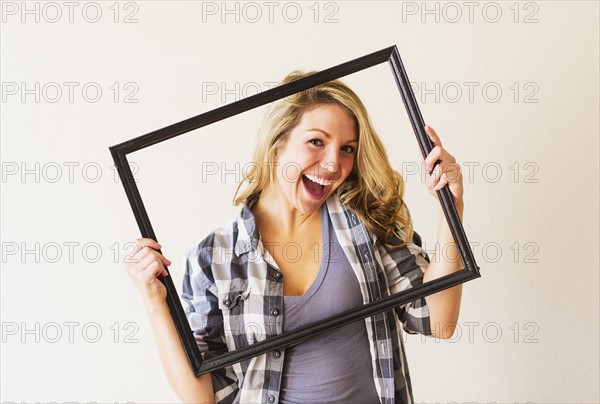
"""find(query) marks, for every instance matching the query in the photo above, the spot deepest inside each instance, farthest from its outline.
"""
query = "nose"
(331, 162)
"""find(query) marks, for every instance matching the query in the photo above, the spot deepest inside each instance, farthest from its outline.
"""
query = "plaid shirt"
(234, 291)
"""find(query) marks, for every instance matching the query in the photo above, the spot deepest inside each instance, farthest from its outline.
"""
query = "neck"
(274, 215)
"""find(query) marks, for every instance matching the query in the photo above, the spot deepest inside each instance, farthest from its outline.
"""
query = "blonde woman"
(322, 229)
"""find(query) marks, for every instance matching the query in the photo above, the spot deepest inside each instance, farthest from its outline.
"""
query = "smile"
(318, 180)
(315, 186)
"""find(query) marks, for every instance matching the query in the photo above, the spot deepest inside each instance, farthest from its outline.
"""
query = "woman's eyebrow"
(327, 135)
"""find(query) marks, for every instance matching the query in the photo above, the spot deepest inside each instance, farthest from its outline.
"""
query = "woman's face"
(321, 148)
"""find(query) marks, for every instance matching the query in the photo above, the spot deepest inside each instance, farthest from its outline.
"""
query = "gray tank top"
(335, 366)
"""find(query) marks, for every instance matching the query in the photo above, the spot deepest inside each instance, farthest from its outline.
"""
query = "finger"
(141, 254)
(453, 172)
(147, 242)
(153, 270)
(442, 182)
(434, 155)
(147, 246)
(433, 135)
(148, 268)
(434, 177)
(164, 260)
(145, 264)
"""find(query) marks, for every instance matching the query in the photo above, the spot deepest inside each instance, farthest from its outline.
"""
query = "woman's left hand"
(446, 172)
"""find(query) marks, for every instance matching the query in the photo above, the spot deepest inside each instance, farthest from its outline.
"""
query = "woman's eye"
(346, 149)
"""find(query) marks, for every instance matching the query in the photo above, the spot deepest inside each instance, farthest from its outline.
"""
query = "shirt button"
(227, 302)
(277, 354)
(271, 399)
(275, 312)
(276, 275)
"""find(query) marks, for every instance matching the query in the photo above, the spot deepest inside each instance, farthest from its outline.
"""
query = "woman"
(322, 229)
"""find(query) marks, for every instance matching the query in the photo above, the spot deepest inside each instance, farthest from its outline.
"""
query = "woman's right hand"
(145, 267)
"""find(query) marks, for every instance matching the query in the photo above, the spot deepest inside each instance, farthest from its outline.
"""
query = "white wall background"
(529, 326)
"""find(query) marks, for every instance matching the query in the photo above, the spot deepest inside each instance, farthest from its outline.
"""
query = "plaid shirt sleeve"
(404, 268)
(205, 316)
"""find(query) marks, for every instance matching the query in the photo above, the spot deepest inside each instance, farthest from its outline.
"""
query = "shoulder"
(396, 244)
(214, 249)
(222, 237)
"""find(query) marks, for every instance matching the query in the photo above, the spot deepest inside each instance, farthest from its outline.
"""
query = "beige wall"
(526, 137)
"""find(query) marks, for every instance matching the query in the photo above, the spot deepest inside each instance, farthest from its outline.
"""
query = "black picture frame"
(392, 56)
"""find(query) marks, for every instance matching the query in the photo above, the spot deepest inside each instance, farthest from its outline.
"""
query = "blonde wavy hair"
(373, 189)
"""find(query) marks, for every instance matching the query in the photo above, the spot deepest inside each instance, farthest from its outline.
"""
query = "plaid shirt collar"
(248, 235)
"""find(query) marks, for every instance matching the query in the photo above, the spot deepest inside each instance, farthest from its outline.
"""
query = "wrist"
(458, 203)
(460, 207)
(156, 307)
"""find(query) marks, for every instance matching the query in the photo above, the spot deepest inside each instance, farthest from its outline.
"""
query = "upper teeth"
(318, 180)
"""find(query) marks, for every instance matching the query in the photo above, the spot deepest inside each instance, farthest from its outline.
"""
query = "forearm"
(444, 306)
(183, 381)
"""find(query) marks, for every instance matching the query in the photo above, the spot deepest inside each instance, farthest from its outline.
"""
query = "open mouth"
(314, 188)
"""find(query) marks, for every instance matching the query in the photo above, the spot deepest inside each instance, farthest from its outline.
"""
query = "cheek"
(287, 168)
(349, 167)
(290, 172)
